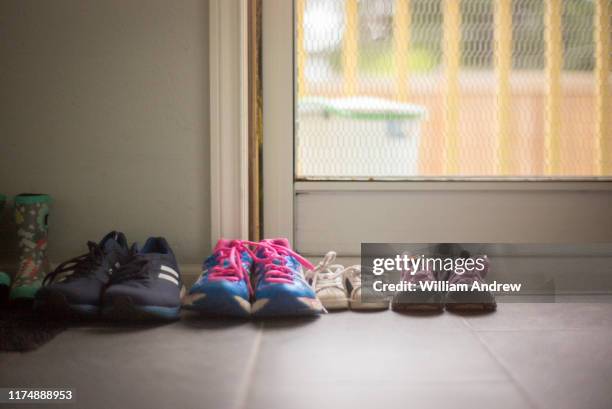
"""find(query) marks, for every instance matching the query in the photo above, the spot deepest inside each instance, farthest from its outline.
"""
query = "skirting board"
(190, 273)
(562, 280)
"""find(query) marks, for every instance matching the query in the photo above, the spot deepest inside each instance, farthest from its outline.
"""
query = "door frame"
(229, 126)
(278, 118)
(281, 190)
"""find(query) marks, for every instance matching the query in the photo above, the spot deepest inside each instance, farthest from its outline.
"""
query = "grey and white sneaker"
(327, 280)
(339, 287)
(352, 282)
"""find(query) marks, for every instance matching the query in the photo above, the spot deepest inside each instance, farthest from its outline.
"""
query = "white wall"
(104, 105)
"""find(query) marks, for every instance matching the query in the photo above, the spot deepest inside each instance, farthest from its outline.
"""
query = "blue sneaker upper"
(151, 277)
(280, 286)
(228, 269)
(279, 269)
(87, 274)
(224, 287)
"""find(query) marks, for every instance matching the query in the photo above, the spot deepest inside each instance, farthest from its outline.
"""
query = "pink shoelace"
(274, 261)
(233, 270)
(273, 256)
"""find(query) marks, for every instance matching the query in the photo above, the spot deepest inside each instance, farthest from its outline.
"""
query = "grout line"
(245, 385)
(522, 391)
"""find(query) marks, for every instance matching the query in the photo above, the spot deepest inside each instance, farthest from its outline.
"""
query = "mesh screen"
(451, 89)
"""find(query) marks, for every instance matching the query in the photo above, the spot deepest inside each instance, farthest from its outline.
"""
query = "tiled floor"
(522, 356)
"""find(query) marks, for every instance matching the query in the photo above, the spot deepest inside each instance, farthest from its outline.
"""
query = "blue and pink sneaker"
(280, 289)
(224, 287)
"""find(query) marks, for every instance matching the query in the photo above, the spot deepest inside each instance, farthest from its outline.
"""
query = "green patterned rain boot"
(31, 214)
(5, 279)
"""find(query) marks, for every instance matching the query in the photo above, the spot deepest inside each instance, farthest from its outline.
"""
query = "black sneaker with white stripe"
(74, 289)
(148, 286)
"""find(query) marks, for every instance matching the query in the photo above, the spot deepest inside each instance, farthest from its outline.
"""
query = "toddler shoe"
(327, 280)
(224, 287)
(352, 282)
(419, 300)
(476, 301)
(148, 286)
(279, 283)
(82, 280)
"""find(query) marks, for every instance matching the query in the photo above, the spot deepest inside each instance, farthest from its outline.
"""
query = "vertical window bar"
(602, 89)
(401, 37)
(554, 61)
(503, 66)
(301, 52)
(350, 50)
(452, 55)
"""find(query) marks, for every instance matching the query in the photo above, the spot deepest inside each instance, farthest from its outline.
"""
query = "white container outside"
(359, 137)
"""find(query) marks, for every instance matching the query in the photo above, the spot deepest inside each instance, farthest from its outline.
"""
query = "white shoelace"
(327, 275)
(353, 274)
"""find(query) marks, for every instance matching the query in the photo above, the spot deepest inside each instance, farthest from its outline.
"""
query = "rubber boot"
(5, 278)
(31, 216)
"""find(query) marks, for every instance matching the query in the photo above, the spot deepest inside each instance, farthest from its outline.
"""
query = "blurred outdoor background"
(501, 88)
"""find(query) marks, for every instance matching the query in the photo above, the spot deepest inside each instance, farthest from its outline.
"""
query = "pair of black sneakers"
(116, 281)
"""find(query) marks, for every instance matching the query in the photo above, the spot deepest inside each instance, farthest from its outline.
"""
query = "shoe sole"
(56, 305)
(124, 309)
(406, 307)
(217, 306)
(334, 304)
(287, 306)
(471, 307)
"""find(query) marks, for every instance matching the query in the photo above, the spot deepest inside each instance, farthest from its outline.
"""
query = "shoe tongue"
(109, 242)
(280, 242)
(222, 243)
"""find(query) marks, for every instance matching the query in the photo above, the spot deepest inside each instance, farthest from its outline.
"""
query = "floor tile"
(141, 367)
(558, 369)
(386, 347)
(388, 395)
(522, 356)
(544, 316)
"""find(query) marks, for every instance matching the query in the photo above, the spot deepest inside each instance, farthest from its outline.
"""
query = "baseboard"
(190, 273)
(566, 278)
